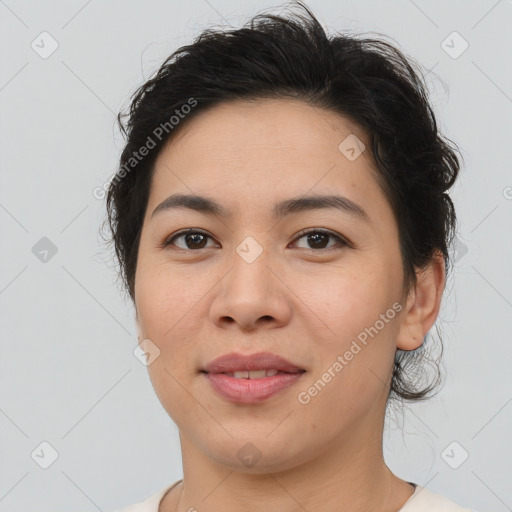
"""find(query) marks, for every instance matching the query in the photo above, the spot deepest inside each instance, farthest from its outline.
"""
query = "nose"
(251, 296)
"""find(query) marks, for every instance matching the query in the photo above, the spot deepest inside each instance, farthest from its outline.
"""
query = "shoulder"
(151, 503)
(424, 500)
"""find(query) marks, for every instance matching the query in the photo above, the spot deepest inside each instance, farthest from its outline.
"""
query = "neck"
(350, 475)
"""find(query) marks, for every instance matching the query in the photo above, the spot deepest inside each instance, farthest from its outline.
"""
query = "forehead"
(290, 127)
(264, 151)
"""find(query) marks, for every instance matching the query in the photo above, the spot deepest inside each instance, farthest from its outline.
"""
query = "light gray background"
(68, 373)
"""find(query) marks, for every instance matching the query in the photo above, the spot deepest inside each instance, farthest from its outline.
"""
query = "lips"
(251, 379)
(233, 362)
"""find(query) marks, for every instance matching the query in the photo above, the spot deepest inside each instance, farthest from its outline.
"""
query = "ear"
(423, 304)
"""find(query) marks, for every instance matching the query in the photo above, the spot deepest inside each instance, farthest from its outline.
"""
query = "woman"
(282, 226)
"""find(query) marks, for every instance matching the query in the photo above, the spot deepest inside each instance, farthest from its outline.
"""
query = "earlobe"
(423, 304)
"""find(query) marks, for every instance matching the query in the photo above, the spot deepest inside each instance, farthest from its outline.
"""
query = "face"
(244, 281)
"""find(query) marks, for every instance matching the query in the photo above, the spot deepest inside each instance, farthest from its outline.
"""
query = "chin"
(258, 454)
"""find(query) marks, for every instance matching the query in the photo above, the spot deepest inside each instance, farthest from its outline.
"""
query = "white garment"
(422, 500)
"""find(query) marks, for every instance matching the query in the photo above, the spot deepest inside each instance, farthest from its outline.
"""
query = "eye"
(318, 237)
(193, 239)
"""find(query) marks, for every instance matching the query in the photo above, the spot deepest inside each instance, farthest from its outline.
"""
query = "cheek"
(161, 309)
(348, 302)
(360, 311)
(161, 299)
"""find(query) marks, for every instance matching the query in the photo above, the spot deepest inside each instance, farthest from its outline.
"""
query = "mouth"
(236, 363)
(256, 374)
(251, 379)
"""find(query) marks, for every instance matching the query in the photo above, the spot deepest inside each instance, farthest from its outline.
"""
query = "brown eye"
(319, 238)
(192, 239)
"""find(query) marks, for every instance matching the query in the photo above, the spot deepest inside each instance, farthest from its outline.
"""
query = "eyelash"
(343, 242)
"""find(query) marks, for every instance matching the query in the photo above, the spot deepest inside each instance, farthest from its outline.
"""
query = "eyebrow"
(280, 210)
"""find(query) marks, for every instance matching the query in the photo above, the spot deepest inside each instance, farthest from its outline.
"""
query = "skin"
(304, 303)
